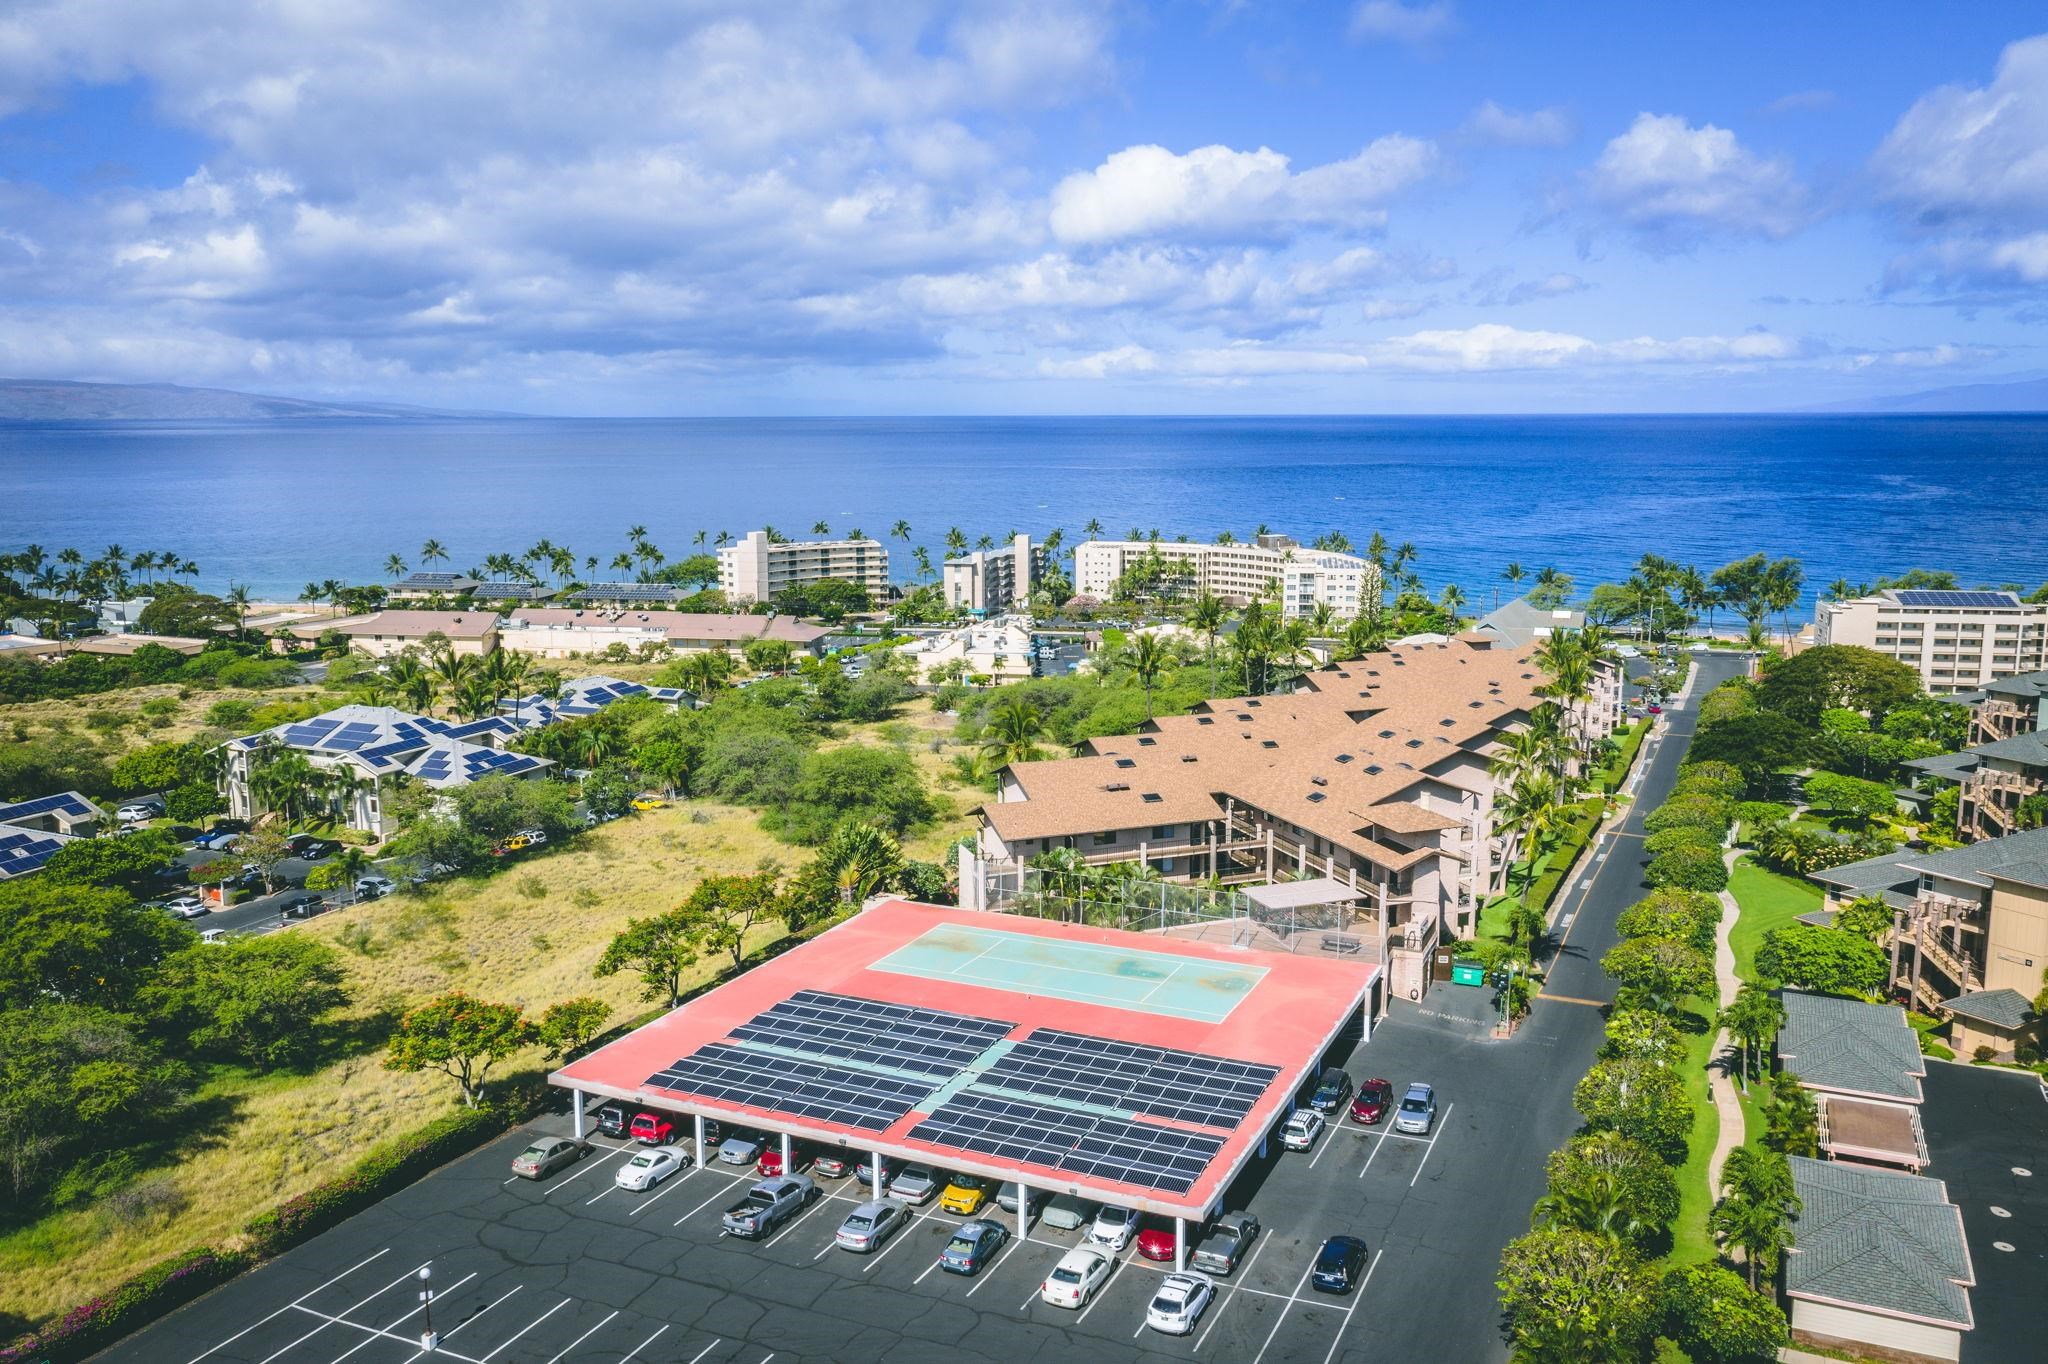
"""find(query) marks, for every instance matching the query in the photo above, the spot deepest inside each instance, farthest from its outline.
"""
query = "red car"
(1155, 1238)
(652, 1129)
(770, 1163)
(1374, 1098)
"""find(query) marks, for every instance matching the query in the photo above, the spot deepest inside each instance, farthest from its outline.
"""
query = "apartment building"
(561, 632)
(757, 568)
(381, 634)
(1376, 772)
(2010, 707)
(1001, 650)
(991, 581)
(1970, 931)
(1274, 567)
(1956, 641)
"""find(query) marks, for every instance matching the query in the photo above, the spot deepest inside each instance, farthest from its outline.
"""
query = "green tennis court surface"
(1086, 973)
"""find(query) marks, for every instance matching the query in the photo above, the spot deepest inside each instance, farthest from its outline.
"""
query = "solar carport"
(1120, 1067)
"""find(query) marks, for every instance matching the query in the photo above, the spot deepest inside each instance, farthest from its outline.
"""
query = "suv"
(613, 1119)
(1331, 1092)
(1417, 1113)
(652, 1129)
(1226, 1243)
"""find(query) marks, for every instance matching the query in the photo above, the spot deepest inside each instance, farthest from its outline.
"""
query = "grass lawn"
(1690, 1243)
(1550, 872)
(1767, 901)
(528, 935)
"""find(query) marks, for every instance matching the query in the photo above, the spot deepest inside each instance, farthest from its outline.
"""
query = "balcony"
(1934, 953)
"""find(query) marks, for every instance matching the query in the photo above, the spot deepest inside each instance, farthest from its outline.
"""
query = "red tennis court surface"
(1284, 1020)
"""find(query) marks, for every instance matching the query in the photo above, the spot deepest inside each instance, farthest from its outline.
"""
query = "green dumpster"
(1466, 971)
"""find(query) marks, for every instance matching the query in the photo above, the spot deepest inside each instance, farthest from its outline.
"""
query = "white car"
(1303, 1127)
(1628, 651)
(371, 887)
(534, 837)
(1076, 1277)
(1698, 648)
(1113, 1227)
(135, 814)
(1178, 1304)
(648, 1168)
(187, 907)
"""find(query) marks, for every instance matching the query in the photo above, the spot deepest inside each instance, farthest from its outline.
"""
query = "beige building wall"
(1953, 648)
(1239, 572)
(993, 580)
(756, 569)
(2016, 945)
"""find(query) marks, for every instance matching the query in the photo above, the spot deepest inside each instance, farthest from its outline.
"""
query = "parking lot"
(573, 1267)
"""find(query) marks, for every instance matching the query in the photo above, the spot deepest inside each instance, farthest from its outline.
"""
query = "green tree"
(1639, 1099)
(437, 841)
(1823, 959)
(748, 766)
(1791, 1118)
(660, 949)
(1753, 1018)
(1754, 1215)
(878, 786)
(78, 943)
(258, 1000)
(1689, 868)
(1657, 973)
(1011, 734)
(1862, 801)
(608, 792)
(1759, 744)
(1866, 916)
(1570, 1297)
(155, 767)
(129, 862)
(1149, 657)
(1836, 676)
(1717, 1319)
(857, 861)
(1644, 1034)
(1614, 1186)
(462, 1037)
(496, 807)
(1670, 912)
(566, 1026)
(720, 912)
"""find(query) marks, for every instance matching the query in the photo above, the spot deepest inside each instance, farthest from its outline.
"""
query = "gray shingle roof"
(2029, 686)
(2008, 1009)
(1885, 1242)
(2019, 857)
(1520, 623)
(1871, 876)
(1946, 766)
(1819, 918)
(1850, 1047)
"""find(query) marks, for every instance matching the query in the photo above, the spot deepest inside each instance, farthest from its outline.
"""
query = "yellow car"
(965, 1195)
(649, 803)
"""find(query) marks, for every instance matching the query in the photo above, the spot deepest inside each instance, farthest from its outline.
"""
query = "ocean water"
(273, 505)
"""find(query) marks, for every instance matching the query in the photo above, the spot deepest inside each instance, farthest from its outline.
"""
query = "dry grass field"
(120, 721)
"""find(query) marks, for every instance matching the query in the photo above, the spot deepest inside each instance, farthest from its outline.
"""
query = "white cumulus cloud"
(1497, 126)
(1392, 22)
(1672, 182)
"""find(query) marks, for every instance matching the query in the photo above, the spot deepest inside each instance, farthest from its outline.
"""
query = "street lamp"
(428, 1338)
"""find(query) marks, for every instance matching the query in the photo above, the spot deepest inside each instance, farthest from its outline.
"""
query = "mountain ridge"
(75, 400)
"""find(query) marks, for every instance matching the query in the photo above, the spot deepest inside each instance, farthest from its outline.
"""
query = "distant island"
(63, 400)
(2023, 395)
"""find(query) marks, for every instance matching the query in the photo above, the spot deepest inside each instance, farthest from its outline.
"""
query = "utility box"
(1466, 971)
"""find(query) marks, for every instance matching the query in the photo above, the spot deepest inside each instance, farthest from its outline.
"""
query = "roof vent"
(1374, 768)
(1242, 717)
(1446, 722)
(1187, 757)
(1318, 781)
(1253, 705)
(1205, 719)
(1386, 734)
(1152, 797)
(1118, 786)
(1126, 762)
(1415, 743)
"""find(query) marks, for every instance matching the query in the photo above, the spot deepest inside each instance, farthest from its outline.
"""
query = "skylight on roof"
(1386, 734)
(1343, 757)
(1152, 797)
(1126, 762)
(1415, 743)
(1269, 743)
(1374, 768)
(1317, 797)
(1205, 719)
(1145, 742)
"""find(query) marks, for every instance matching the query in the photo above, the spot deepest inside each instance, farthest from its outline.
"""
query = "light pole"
(428, 1338)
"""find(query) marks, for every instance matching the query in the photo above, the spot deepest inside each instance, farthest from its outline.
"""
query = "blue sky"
(1062, 206)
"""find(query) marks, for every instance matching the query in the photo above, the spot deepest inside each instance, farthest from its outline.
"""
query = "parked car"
(832, 1164)
(1304, 1125)
(303, 906)
(220, 840)
(311, 847)
(964, 1194)
(870, 1224)
(187, 907)
(1417, 1113)
(1698, 647)
(1655, 709)
(1375, 1097)
(800, 1155)
(230, 826)
(135, 812)
(1331, 1092)
(612, 1119)
(652, 1129)
(1065, 1212)
(1076, 1277)
(769, 1204)
(534, 837)
(1006, 1199)
(648, 800)
(648, 1168)
(1156, 1238)
(742, 1148)
(865, 1171)
(1227, 1242)
(974, 1244)
(548, 1155)
(1338, 1265)
(516, 843)
(213, 935)
(371, 887)
(915, 1185)
(1178, 1304)
(1113, 1227)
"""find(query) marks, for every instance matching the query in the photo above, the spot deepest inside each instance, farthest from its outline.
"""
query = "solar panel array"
(1919, 597)
(1090, 1144)
(67, 802)
(828, 1093)
(925, 1041)
(1181, 1086)
(24, 850)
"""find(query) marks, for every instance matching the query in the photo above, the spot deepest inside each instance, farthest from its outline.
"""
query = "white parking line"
(1329, 1140)
(1355, 1294)
(290, 1305)
(705, 1204)
(990, 1268)
(657, 1336)
(557, 1358)
(524, 1329)
(673, 1185)
(801, 1214)
(342, 1314)
(1281, 1320)
(1440, 1124)
(1257, 1250)
(378, 1331)
(585, 1168)
(1377, 1146)
(875, 1257)
(1101, 1292)
(415, 1312)
(450, 1332)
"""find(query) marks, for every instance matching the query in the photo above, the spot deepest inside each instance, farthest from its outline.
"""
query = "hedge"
(155, 1292)
(1567, 851)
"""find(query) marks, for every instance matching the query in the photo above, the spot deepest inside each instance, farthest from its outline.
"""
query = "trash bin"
(1466, 971)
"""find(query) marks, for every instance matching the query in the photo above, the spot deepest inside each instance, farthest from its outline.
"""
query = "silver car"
(916, 1184)
(1417, 1113)
(870, 1224)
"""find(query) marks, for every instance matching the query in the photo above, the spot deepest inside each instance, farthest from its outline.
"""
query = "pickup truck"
(769, 1204)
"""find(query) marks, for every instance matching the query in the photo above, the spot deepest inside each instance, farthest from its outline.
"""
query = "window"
(1165, 830)
(1165, 865)
(1104, 840)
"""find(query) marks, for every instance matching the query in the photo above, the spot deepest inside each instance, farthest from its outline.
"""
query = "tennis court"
(1085, 973)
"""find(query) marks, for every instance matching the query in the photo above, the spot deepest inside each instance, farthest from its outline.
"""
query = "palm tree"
(433, 552)
(1011, 733)
(1453, 597)
(1149, 657)
(706, 672)
(411, 680)
(285, 783)
(238, 597)
(1514, 573)
(820, 528)
(394, 566)
(923, 559)
(901, 530)
(1205, 616)
(1597, 1204)
(1755, 1212)
(1752, 1018)
(1092, 529)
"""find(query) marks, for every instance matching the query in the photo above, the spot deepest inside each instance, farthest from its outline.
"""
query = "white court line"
(1164, 981)
(557, 1358)
(290, 1305)
(379, 1331)
(344, 1313)
(524, 1329)
(657, 1336)
(1440, 1124)
(1281, 1320)
(1225, 1302)
(1354, 1304)
(415, 1312)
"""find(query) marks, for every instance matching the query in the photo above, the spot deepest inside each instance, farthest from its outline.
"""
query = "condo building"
(757, 568)
(1274, 567)
(1956, 641)
(991, 581)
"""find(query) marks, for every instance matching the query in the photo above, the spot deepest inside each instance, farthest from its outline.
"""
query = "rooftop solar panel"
(25, 850)
(65, 802)
(829, 1093)
(1181, 1086)
(1097, 1145)
(1957, 599)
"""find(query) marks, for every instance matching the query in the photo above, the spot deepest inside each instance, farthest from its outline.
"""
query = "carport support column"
(1180, 1244)
(875, 1170)
(576, 1107)
(1023, 1211)
(787, 1168)
(701, 1161)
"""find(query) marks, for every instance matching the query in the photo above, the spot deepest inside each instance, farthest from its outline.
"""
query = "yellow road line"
(1574, 999)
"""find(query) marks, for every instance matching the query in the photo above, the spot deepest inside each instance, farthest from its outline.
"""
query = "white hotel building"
(1239, 573)
(1956, 641)
(757, 568)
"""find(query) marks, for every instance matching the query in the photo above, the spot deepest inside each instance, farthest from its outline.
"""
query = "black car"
(310, 847)
(302, 906)
(1338, 1265)
(230, 826)
(1332, 1092)
(613, 1119)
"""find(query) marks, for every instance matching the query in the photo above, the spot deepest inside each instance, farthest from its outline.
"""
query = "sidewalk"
(1727, 1060)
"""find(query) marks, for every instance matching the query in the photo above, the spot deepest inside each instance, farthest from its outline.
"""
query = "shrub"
(1684, 836)
(1670, 912)
(1716, 1318)
(154, 1293)
(1639, 1099)
(1824, 959)
(1691, 868)
(1713, 778)
(1691, 812)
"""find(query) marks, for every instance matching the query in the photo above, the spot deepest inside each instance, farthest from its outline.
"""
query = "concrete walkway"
(1727, 1059)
